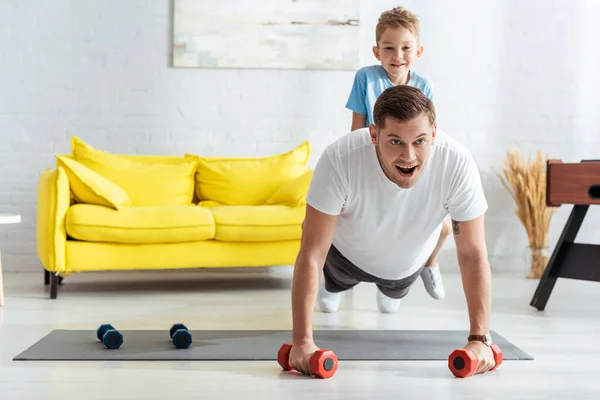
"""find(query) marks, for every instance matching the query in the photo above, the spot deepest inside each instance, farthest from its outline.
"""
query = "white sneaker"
(387, 304)
(432, 279)
(328, 302)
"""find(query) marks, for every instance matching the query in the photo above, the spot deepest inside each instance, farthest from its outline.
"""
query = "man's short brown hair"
(397, 17)
(402, 103)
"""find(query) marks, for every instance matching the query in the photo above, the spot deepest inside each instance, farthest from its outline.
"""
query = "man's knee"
(337, 280)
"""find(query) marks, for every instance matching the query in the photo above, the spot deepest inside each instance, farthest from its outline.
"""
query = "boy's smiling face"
(397, 49)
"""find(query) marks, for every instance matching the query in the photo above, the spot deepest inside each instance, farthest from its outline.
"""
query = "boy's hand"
(300, 356)
(484, 355)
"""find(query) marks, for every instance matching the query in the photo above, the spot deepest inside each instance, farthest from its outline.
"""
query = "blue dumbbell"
(182, 338)
(107, 334)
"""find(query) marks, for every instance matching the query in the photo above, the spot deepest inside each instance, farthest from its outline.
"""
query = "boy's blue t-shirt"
(371, 81)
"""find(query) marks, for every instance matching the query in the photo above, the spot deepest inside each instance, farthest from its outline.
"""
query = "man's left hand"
(484, 355)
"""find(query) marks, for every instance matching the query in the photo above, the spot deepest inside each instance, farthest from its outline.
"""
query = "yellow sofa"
(105, 211)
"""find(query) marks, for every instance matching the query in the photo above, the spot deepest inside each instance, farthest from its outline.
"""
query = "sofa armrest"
(54, 199)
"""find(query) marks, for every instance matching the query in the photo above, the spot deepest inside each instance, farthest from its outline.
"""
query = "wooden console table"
(577, 184)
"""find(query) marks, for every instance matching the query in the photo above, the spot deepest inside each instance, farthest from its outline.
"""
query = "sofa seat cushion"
(136, 224)
(257, 223)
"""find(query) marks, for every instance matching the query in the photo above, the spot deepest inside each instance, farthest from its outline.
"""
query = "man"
(374, 211)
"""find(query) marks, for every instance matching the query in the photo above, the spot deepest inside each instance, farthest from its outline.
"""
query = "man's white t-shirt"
(385, 230)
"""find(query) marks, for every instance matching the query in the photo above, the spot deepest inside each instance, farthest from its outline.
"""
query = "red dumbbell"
(322, 364)
(463, 363)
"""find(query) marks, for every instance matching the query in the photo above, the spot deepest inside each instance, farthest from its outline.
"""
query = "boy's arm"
(358, 121)
(357, 101)
(429, 91)
(317, 234)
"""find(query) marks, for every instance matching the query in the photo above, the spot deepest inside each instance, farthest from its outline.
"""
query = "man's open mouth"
(406, 171)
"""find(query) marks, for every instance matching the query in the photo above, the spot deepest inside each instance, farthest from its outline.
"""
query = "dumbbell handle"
(468, 354)
(330, 366)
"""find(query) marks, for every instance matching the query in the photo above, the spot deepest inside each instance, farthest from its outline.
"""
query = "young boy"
(397, 48)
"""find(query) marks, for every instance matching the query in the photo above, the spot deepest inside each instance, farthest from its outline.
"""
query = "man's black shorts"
(341, 274)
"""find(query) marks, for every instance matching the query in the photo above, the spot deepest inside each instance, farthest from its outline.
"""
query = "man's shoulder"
(457, 167)
(350, 143)
(454, 150)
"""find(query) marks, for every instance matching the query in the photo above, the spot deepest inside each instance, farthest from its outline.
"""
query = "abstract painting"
(279, 34)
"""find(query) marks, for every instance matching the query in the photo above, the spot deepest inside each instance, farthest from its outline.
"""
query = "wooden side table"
(6, 219)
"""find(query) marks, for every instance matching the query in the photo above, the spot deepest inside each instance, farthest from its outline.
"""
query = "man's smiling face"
(403, 148)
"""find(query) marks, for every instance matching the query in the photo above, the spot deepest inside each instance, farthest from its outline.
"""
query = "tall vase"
(538, 260)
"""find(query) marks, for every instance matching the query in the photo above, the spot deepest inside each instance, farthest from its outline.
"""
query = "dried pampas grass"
(525, 180)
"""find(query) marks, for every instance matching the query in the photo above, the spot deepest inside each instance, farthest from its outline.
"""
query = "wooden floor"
(563, 339)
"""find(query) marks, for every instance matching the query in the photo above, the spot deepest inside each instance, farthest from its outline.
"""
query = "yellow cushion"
(248, 181)
(293, 193)
(258, 223)
(148, 181)
(166, 224)
(91, 188)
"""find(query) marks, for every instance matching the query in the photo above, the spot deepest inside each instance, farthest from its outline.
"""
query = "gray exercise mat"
(258, 345)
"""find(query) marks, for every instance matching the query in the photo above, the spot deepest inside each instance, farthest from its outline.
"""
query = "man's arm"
(475, 272)
(317, 234)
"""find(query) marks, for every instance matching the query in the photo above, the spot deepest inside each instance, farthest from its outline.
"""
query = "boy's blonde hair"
(397, 17)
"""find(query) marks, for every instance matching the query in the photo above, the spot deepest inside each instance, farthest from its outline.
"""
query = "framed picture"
(280, 34)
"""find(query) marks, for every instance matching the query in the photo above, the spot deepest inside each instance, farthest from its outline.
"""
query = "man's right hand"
(300, 356)
(317, 233)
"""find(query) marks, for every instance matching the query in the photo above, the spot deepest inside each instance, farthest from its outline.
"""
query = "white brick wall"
(504, 70)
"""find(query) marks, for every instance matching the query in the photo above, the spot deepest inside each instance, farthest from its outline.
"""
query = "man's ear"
(433, 132)
(373, 132)
(376, 52)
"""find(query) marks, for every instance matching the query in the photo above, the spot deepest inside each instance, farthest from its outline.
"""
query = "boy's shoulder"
(423, 82)
(370, 72)
(420, 79)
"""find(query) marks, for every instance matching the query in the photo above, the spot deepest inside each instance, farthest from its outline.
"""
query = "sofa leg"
(46, 277)
(53, 285)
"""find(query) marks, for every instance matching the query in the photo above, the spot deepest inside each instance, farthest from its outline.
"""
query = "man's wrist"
(302, 340)
(483, 338)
